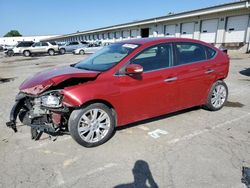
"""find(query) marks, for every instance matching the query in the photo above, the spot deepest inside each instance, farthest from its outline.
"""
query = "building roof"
(198, 12)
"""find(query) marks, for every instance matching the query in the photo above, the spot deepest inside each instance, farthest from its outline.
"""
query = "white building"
(15, 40)
(222, 25)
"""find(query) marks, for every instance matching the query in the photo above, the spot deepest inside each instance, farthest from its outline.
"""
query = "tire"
(81, 52)
(84, 125)
(26, 53)
(51, 52)
(217, 96)
(10, 53)
(62, 51)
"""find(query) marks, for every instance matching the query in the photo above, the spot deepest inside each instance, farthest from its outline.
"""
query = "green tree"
(13, 33)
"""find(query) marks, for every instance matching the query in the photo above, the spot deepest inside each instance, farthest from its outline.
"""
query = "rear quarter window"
(53, 43)
(210, 53)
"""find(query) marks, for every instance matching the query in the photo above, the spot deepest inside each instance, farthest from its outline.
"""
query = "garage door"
(208, 30)
(187, 30)
(236, 29)
(170, 30)
(125, 34)
(117, 34)
(133, 33)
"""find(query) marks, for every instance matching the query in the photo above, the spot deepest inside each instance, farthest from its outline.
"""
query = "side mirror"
(134, 69)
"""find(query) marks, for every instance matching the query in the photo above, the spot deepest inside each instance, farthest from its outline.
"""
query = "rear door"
(148, 95)
(195, 73)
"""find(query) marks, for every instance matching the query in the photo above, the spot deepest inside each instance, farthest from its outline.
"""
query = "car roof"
(153, 40)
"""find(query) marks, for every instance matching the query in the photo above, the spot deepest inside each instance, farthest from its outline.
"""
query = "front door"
(149, 95)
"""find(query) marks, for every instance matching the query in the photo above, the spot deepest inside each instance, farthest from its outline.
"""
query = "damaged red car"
(123, 83)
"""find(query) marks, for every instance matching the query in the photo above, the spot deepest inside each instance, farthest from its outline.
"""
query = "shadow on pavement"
(142, 177)
(245, 72)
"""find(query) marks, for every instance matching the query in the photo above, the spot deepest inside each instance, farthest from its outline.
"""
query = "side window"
(44, 44)
(37, 44)
(188, 52)
(155, 57)
(210, 53)
(53, 43)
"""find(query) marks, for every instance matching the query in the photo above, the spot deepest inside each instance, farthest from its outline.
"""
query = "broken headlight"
(51, 100)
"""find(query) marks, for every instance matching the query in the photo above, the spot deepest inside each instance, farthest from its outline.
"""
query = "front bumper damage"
(50, 121)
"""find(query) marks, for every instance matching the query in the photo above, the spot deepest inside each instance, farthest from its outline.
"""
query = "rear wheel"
(26, 53)
(92, 125)
(217, 96)
(62, 51)
(51, 52)
(10, 53)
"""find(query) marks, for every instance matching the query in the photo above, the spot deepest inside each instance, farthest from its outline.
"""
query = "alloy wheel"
(218, 96)
(94, 125)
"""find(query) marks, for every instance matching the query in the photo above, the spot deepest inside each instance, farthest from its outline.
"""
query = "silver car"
(71, 46)
(40, 47)
(90, 48)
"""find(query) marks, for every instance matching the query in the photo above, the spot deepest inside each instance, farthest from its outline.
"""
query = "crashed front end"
(41, 103)
(43, 113)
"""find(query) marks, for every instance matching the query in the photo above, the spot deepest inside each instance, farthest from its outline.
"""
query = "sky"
(47, 17)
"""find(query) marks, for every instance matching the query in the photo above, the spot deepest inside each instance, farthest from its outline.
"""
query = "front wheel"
(82, 52)
(62, 51)
(217, 96)
(93, 125)
(26, 53)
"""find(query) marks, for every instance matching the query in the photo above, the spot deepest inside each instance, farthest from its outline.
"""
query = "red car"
(123, 83)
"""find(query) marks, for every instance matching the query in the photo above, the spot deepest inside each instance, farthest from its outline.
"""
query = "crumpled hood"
(43, 80)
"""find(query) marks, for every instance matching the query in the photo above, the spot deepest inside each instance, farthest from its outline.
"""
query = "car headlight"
(52, 100)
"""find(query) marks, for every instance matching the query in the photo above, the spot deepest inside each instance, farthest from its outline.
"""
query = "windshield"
(107, 57)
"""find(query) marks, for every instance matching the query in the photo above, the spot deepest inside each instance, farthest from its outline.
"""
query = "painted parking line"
(200, 132)
(61, 181)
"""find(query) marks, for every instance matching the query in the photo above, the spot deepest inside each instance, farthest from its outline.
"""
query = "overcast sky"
(45, 17)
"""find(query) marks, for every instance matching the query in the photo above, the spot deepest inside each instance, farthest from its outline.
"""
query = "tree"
(13, 33)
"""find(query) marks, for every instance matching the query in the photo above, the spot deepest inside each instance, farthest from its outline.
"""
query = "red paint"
(56, 76)
(146, 95)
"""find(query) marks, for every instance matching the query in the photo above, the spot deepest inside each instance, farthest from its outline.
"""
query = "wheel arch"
(50, 49)
(107, 103)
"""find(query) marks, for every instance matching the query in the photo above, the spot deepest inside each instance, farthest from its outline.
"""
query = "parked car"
(123, 83)
(40, 47)
(18, 48)
(71, 46)
(1, 48)
(89, 49)
(8, 47)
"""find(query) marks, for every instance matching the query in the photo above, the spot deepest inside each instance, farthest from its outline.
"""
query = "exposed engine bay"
(43, 113)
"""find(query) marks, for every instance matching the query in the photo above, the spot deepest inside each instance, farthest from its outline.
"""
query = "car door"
(70, 47)
(194, 73)
(36, 47)
(148, 95)
(44, 47)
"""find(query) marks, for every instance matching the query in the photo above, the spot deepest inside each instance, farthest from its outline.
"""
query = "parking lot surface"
(191, 148)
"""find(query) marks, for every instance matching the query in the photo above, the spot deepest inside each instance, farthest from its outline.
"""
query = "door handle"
(209, 71)
(170, 79)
